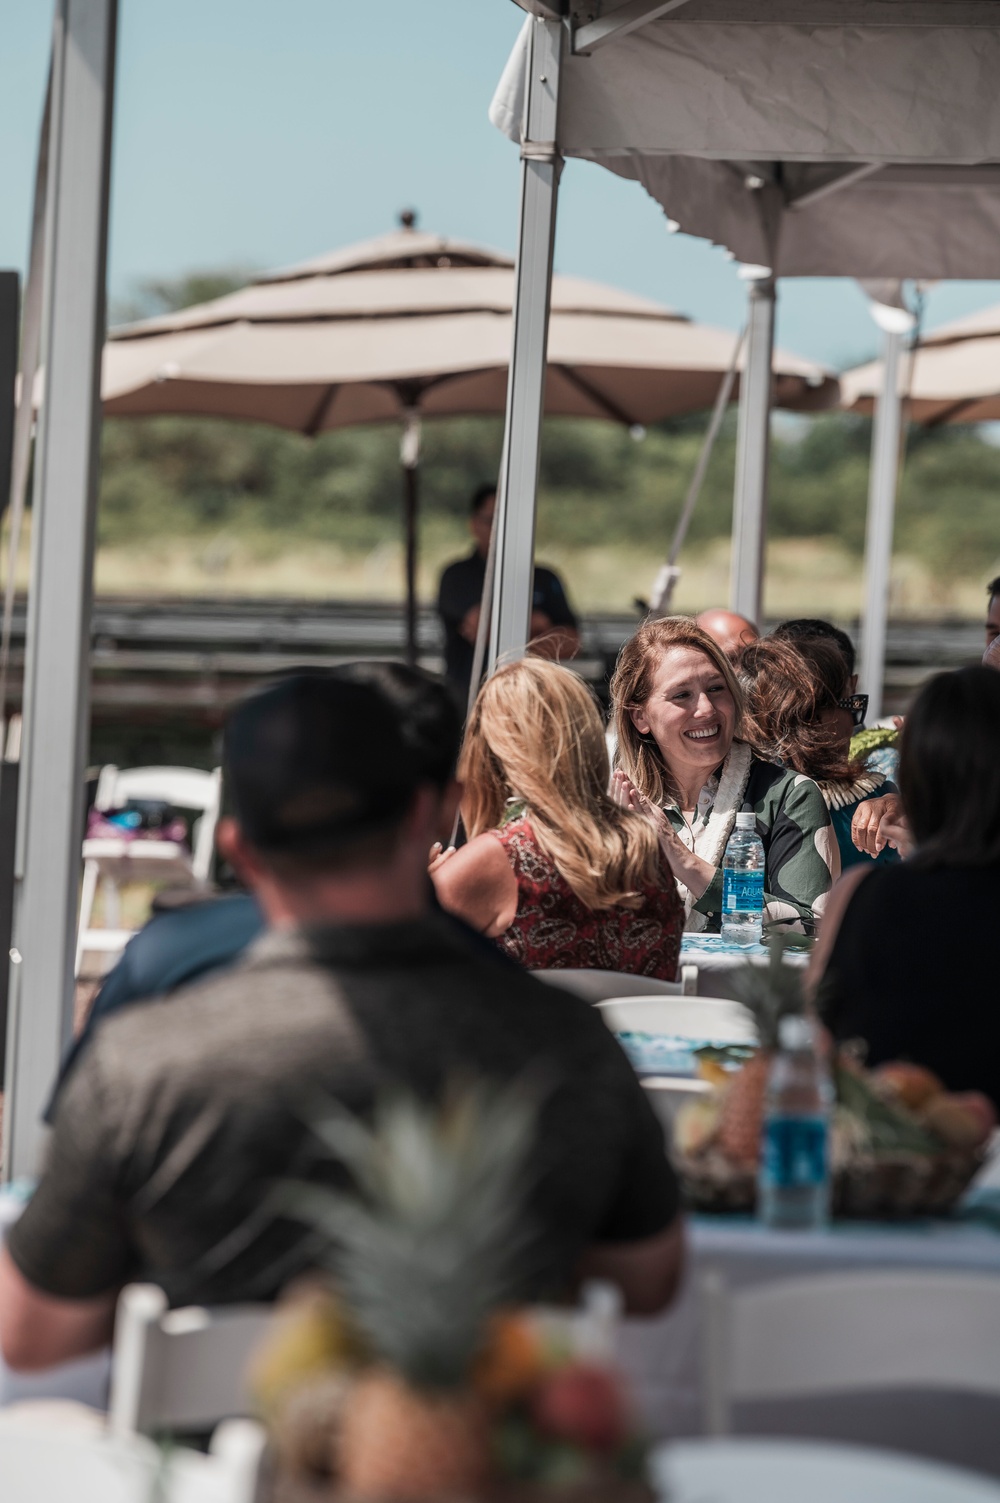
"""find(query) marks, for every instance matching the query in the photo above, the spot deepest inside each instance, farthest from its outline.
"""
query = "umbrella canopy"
(415, 321)
(839, 138)
(955, 374)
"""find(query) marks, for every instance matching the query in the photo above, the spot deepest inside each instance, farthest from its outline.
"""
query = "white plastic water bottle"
(793, 1184)
(743, 884)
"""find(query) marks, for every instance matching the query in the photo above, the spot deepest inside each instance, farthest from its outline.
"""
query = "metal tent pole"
(882, 481)
(516, 501)
(409, 455)
(50, 809)
(753, 442)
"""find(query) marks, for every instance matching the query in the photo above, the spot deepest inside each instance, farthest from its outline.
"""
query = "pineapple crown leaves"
(433, 1237)
(771, 992)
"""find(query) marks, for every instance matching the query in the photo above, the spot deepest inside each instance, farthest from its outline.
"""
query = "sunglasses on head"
(856, 706)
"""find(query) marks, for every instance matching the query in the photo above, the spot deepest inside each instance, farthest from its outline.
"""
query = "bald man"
(730, 631)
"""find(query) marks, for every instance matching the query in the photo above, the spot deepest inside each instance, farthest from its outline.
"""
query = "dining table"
(719, 959)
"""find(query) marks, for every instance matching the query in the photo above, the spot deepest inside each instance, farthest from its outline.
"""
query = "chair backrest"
(41, 1462)
(840, 1333)
(706, 1019)
(184, 787)
(595, 986)
(180, 1369)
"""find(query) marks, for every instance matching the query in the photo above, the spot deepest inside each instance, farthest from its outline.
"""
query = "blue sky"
(258, 132)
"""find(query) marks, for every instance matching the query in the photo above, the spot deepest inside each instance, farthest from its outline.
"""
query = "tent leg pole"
(57, 675)
(517, 498)
(753, 442)
(882, 482)
(411, 502)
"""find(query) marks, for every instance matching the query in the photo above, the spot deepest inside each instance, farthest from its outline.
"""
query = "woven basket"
(891, 1187)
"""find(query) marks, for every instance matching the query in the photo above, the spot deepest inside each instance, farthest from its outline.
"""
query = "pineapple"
(770, 993)
(429, 1247)
(400, 1442)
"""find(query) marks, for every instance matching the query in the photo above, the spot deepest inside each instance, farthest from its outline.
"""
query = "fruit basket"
(901, 1145)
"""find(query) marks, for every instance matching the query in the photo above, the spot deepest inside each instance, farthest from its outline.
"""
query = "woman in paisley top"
(678, 712)
(799, 711)
(554, 870)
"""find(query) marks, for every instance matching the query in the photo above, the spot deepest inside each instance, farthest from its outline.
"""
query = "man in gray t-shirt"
(184, 1114)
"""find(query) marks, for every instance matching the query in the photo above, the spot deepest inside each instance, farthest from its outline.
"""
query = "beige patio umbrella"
(954, 378)
(411, 326)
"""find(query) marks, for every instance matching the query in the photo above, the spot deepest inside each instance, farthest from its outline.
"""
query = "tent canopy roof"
(858, 139)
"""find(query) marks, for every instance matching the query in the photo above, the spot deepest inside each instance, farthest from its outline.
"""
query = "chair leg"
(112, 904)
(87, 895)
(714, 1316)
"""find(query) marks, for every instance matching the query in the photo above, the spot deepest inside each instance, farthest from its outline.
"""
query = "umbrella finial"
(408, 219)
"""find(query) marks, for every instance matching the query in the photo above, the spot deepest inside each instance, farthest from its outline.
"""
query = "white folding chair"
(705, 1019)
(176, 1370)
(43, 1460)
(595, 986)
(843, 1333)
(112, 861)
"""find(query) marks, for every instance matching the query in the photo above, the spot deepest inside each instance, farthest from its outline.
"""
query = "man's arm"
(70, 1250)
(648, 1272)
(37, 1330)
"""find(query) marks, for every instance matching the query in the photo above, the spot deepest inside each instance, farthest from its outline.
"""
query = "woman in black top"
(908, 955)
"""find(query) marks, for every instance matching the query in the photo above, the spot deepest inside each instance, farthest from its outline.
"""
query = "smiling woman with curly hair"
(798, 711)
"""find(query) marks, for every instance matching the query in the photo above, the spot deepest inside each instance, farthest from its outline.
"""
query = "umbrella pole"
(409, 454)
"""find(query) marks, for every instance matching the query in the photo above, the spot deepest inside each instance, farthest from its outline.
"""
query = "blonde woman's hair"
(631, 686)
(535, 733)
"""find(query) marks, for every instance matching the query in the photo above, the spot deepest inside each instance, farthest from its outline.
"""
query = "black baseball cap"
(318, 757)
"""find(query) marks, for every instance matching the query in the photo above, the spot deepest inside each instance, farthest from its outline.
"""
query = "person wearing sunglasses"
(801, 711)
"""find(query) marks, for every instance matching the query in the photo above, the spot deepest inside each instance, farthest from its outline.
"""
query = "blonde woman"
(678, 712)
(554, 870)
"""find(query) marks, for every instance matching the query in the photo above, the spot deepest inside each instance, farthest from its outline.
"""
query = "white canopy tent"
(811, 138)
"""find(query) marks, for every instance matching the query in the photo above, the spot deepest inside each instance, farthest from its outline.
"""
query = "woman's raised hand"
(439, 854)
(688, 868)
(625, 793)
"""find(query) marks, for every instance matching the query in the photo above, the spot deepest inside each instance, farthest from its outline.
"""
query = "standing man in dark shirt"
(553, 632)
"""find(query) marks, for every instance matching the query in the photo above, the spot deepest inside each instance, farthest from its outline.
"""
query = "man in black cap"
(183, 1115)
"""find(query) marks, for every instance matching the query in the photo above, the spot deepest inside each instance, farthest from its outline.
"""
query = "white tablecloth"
(782, 1471)
(717, 959)
(661, 1356)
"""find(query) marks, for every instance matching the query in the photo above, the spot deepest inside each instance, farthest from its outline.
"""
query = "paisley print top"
(554, 930)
